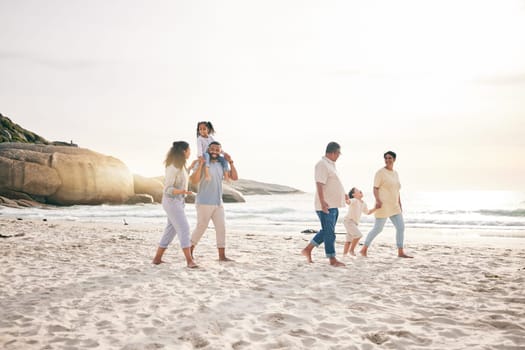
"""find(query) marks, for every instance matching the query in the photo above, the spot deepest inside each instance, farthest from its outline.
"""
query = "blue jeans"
(399, 224)
(327, 232)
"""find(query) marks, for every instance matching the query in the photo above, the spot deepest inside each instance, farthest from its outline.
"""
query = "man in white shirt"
(329, 197)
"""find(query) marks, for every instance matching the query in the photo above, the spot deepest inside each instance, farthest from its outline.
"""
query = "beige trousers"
(205, 213)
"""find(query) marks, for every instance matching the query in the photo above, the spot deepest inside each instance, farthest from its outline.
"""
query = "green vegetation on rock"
(12, 132)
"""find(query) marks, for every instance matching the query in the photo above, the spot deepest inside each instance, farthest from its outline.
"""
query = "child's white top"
(203, 143)
(355, 208)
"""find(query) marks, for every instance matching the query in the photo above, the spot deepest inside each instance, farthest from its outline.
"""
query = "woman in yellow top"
(388, 204)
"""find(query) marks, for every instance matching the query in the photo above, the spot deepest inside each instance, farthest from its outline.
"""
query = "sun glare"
(416, 38)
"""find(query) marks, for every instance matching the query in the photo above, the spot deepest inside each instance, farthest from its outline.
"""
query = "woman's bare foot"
(352, 253)
(192, 265)
(225, 259)
(401, 253)
(157, 259)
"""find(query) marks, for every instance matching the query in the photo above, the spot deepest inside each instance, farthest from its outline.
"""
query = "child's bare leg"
(207, 173)
(346, 248)
(226, 168)
(364, 250)
(353, 245)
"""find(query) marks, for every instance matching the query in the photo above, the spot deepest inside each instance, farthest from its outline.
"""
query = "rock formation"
(150, 185)
(63, 175)
(36, 171)
(250, 187)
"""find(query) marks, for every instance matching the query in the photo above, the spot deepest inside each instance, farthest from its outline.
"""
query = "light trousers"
(379, 223)
(177, 223)
(205, 213)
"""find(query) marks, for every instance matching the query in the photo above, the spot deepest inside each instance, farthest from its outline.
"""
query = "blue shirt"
(210, 192)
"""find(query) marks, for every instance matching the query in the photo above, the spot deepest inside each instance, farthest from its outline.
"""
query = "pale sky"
(442, 83)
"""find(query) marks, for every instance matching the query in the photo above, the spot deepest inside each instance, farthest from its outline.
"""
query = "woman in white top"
(388, 204)
(175, 191)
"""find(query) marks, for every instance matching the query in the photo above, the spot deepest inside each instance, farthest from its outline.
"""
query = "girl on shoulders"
(205, 131)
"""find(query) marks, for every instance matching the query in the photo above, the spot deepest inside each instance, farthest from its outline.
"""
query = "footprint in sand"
(376, 338)
(196, 340)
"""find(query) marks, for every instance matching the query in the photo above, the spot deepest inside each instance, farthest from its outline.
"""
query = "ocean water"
(497, 213)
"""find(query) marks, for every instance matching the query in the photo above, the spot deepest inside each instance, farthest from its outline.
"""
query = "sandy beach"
(77, 285)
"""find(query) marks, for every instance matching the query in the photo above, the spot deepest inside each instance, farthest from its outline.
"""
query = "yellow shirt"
(388, 183)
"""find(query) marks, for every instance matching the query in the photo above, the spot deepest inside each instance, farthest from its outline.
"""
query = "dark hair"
(214, 143)
(393, 154)
(351, 193)
(176, 155)
(332, 147)
(209, 125)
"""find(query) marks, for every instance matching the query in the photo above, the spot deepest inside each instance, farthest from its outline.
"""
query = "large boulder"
(35, 169)
(64, 175)
(149, 185)
(231, 195)
(139, 199)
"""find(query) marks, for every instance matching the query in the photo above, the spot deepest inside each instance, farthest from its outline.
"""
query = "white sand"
(70, 285)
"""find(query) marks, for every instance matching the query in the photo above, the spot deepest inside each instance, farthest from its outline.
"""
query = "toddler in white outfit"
(356, 207)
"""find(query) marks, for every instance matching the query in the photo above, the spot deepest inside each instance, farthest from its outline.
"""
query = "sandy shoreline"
(73, 285)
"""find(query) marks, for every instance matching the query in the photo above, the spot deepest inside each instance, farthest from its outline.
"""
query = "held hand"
(379, 204)
(227, 157)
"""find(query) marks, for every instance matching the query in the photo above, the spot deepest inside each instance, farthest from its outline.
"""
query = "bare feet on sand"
(192, 265)
(401, 253)
(225, 259)
(308, 254)
(336, 263)
(158, 261)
